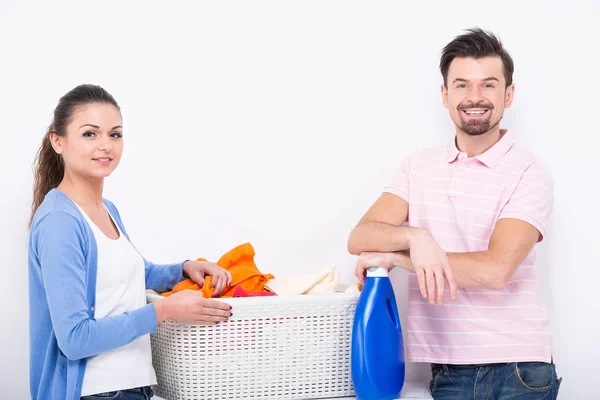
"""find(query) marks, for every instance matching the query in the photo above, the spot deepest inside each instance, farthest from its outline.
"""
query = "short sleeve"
(398, 183)
(533, 199)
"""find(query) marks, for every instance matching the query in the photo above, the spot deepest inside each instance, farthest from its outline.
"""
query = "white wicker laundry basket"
(287, 347)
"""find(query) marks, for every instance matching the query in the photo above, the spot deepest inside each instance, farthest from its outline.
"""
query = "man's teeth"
(475, 113)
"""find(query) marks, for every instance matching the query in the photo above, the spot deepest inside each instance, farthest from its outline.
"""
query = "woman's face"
(93, 143)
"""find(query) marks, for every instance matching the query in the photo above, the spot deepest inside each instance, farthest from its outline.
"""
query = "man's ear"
(444, 92)
(509, 96)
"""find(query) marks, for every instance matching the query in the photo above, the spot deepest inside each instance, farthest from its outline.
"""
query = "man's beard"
(474, 127)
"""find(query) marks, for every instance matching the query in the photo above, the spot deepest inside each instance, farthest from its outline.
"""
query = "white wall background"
(279, 123)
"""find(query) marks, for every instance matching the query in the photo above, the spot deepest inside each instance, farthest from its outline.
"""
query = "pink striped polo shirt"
(459, 200)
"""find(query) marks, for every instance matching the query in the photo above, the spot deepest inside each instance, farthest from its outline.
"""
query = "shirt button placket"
(455, 185)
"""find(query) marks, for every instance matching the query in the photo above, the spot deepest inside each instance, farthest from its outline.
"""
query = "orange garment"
(239, 261)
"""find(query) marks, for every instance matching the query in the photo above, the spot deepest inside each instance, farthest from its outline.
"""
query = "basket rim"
(152, 296)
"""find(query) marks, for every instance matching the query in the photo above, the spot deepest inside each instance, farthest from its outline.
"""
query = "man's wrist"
(415, 234)
(402, 259)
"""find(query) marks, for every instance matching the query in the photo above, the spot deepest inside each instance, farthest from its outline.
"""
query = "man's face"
(476, 95)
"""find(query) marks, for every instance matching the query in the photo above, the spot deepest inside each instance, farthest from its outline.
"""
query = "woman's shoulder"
(57, 207)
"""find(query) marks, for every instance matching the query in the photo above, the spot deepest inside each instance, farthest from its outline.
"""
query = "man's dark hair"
(476, 43)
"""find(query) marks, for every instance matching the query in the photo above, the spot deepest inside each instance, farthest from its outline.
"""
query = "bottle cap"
(377, 272)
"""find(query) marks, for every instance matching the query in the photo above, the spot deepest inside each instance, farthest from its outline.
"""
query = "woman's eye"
(89, 134)
(116, 135)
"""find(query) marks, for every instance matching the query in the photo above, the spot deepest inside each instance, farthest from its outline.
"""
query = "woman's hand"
(189, 307)
(198, 270)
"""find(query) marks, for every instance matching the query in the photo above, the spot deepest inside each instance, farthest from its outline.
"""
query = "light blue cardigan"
(63, 259)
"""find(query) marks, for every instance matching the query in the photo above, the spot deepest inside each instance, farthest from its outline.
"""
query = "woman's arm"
(163, 277)
(59, 249)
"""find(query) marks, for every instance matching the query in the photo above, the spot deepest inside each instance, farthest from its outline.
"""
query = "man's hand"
(432, 267)
(374, 259)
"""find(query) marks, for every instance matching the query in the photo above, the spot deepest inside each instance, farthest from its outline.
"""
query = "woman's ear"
(56, 142)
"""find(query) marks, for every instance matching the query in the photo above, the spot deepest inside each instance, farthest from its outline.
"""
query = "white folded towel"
(323, 281)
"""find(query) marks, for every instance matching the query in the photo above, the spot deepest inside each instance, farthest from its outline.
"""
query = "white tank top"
(120, 287)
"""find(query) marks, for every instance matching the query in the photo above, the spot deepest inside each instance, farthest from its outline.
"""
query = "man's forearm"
(381, 237)
(490, 269)
(480, 269)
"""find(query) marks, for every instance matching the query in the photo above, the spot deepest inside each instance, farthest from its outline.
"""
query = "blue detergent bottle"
(377, 344)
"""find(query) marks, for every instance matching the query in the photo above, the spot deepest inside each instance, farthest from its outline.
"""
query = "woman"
(89, 321)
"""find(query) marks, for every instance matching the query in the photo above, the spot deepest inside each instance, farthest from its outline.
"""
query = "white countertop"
(411, 390)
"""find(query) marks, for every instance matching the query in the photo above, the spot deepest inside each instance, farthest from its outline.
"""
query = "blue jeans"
(522, 381)
(143, 393)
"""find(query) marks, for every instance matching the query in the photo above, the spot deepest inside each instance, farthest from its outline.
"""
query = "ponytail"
(49, 167)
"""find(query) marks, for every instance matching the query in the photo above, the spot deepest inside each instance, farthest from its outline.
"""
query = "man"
(464, 219)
